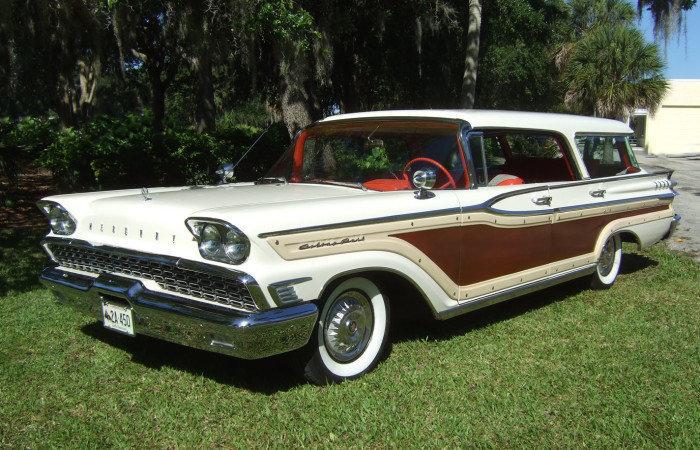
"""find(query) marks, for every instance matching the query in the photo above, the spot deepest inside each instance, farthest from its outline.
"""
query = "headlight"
(60, 221)
(219, 241)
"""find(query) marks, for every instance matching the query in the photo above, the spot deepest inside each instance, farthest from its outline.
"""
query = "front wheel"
(608, 264)
(352, 334)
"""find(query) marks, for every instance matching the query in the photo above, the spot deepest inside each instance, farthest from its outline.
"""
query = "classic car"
(363, 213)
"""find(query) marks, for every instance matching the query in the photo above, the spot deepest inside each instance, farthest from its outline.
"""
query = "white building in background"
(675, 127)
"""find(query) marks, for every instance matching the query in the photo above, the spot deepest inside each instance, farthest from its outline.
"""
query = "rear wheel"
(352, 333)
(608, 264)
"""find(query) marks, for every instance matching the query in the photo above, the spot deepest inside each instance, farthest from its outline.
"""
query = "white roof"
(567, 124)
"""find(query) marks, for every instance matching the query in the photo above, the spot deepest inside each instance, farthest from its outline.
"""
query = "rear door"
(613, 189)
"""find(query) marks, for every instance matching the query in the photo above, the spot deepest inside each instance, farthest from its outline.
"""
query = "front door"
(506, 230)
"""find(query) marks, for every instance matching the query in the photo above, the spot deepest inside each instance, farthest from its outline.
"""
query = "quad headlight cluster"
(60, 221)
(219, 241)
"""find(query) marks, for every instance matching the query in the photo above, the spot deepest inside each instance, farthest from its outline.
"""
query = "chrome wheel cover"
(607, 258)
(347, 326)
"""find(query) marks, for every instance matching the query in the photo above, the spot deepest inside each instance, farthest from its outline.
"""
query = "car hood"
(189, 201)
(153, 220)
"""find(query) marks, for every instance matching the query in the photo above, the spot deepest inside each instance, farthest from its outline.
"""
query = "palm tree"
(589, 15)
(471, 60)
(667, 15)
(611, 71)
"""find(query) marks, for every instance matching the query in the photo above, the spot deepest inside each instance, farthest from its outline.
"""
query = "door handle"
(542, 201)
(598, 193)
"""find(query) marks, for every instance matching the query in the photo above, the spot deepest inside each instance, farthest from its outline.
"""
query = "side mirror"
(424, 179)
(225, 172)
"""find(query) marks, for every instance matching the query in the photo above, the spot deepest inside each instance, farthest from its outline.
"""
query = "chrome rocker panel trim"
(516, 291)
(186, 322)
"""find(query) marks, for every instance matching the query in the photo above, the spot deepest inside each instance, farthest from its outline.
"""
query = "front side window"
(376, 154)
(606, 156)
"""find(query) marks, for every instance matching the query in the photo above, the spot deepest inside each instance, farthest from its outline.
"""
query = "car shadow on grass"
(266, 376)
(283, 372)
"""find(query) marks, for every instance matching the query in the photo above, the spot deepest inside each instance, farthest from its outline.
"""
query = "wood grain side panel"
(442, 245)
(577, 237)
(489, 251)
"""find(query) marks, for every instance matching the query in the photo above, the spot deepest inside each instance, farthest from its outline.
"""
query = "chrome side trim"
(485, 207)
(283, 292)
(618, 202)
(515, 291)
(357, 223)
(667, 173)
(253, 288)
(186, 322)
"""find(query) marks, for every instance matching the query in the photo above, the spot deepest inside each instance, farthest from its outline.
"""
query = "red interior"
(537, 170)
(385, 184)
(510, 182)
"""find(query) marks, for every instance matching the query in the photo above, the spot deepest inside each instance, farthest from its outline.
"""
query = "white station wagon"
(460, 209)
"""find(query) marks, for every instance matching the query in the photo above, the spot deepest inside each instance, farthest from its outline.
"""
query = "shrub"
(237, 138)
(107, 153)
(22, 142)
(110, 153)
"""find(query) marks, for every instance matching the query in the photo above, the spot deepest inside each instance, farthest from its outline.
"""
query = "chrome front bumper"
(187, 322)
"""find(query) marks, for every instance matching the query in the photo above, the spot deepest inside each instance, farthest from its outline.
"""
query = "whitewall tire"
(352, 335)
(608, 265)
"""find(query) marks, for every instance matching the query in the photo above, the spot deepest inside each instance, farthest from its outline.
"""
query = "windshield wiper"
(271, 180)
(355, 185)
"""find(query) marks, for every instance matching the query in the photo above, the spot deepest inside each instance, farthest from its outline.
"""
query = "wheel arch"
(399, 288)
(630, 237)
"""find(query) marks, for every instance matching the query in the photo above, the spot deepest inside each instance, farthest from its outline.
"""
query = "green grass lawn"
(564, 367)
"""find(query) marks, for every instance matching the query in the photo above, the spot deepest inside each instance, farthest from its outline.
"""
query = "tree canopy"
(211, 66)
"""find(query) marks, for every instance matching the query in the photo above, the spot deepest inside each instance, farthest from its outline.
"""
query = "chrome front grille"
(213, 287)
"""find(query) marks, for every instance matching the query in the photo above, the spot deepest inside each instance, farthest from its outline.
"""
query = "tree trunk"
(66, 106)
(157, 101)
(206, 109)
(419, 46)
(89, 73)
(199, 35)
(296, 101)
(471, 61)
(252, 62)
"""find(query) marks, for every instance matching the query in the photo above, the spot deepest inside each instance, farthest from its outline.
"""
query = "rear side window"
(534, 146)
(515, 156)
(606, 156)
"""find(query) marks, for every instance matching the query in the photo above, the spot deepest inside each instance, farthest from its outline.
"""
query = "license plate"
(118, 318)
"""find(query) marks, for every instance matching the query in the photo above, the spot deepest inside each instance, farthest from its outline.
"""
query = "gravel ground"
(687, 203)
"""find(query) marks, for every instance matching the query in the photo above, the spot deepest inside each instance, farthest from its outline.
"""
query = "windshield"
(376, 154)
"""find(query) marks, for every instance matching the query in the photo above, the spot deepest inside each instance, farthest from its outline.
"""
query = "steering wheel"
(450, 180)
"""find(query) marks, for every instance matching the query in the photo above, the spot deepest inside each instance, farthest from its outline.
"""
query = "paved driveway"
(687, 203)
